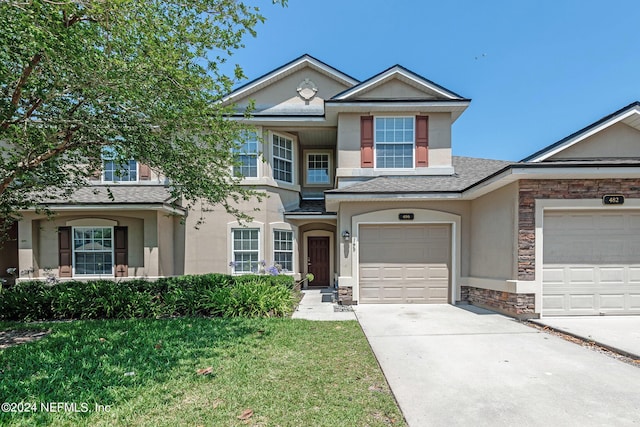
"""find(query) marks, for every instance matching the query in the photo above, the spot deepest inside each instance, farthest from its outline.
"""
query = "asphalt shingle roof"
(468, 171)
(316, 207)
(122, 194)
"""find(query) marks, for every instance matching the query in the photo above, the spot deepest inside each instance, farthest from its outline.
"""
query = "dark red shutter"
(64, 252)
(366, 141)
(145, 172)
(121, 251)
(422, 141)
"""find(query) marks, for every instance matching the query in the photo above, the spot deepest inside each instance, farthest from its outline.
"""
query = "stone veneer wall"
(530, 190)
(345, 295)
(521, 306)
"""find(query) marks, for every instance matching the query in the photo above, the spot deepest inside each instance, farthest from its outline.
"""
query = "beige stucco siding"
(395, 89)
(619, 140)
(208, 247)
(494, 235)
(282, 96)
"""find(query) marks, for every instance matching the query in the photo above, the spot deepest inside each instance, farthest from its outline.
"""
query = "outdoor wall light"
(346, 235)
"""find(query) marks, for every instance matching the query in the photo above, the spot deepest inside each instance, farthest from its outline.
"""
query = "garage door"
(404, 263)
(591, 263)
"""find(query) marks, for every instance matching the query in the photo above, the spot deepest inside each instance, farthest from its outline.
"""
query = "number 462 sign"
(613, 199)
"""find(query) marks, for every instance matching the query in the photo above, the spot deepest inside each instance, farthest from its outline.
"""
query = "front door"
(318, 261)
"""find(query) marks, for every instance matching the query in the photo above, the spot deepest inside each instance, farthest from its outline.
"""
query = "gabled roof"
(403, 74)
(629, 115)
(288, 69)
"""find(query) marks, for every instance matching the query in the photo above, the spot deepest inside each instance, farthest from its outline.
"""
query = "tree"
(143, 77)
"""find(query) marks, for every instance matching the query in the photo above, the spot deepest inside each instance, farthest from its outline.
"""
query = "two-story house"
(364, 192)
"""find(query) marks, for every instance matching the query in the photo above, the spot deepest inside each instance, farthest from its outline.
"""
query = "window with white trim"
(282, 159)
(116, 170)
(394, 142)
(318, 172)
(93, 251)
(247, 156)
(283, 249)
(246, 250)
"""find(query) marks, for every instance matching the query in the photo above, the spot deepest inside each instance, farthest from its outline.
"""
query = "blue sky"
(536, 70)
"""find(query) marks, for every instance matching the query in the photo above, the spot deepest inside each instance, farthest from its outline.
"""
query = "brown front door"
(318, 262)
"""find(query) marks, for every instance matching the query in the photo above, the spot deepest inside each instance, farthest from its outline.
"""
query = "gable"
(300, 93)
(612, 136)
(397, 89)
(617, 141)
(398, 78)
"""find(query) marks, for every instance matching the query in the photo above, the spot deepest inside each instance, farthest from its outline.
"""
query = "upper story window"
(116, 170)
(282, 159)
(394, 142)
(318, 170)
(247, 156)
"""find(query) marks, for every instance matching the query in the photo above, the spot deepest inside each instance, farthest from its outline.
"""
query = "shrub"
(191, 295)
(252, 298)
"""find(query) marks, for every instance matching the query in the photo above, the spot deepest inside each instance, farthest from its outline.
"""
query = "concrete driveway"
(452, 366)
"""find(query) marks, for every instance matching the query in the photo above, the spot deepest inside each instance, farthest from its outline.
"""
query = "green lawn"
(288, 372)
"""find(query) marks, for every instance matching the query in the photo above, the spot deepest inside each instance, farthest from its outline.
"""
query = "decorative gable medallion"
(307, 89)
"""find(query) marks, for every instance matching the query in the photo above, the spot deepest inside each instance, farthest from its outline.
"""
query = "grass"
(288, 372)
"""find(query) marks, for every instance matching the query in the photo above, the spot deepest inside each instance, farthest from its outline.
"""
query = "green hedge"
(193, 295)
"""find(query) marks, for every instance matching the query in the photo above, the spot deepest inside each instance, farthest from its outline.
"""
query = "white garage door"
(591, 263)
(404, 263)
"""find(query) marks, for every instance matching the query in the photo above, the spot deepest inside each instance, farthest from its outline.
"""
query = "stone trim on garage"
(530, 190)
(521, 306)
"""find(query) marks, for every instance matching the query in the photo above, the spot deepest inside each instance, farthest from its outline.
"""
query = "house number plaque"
(613, 199)
(405, 216)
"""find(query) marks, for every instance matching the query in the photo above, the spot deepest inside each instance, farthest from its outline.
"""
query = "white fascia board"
(383, 197)
(612, 121)
(298, 121)
(400, 104)
(281, 72)
(389, 74)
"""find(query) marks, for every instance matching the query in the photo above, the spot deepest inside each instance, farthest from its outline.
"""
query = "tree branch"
(15, 99)
(24, 166)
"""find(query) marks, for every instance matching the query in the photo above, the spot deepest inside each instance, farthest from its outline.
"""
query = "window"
(283, 249)
(318, 172)
(93, 250)
(245, 250)
(394, 142)
(115, 170)
(247, 157)
(282, 159)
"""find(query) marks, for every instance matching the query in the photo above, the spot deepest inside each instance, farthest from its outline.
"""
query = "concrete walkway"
(317, 304)
(619, 333)
(454, 366)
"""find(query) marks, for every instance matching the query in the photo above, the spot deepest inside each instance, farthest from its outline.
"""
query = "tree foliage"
(145, 77)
